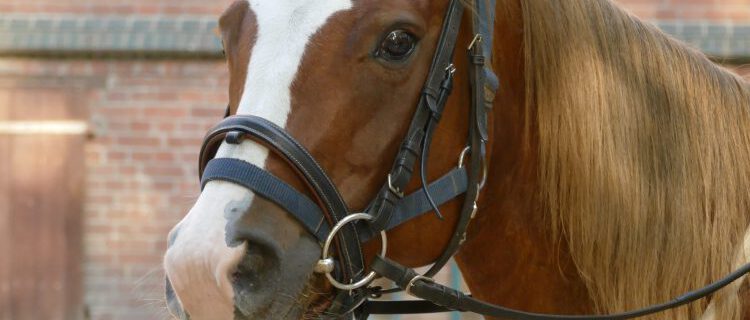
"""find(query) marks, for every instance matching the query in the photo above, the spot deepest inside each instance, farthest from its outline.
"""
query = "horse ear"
(230, 24)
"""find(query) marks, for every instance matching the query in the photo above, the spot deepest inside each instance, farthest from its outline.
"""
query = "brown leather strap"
(430, 107)
(445, 298)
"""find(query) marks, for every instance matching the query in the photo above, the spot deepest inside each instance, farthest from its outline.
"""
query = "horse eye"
(397, 46)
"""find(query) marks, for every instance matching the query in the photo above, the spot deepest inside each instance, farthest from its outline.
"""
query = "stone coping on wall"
(130, 35)
(196, 35)
(723, 40)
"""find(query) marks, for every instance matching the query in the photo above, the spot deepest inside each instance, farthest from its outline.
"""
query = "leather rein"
(329, 219)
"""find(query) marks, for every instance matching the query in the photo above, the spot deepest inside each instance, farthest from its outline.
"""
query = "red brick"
(139, 141)
(191, 96)
(117, 96)
(163, 186)
(186, 142)
(142, 156)
(164, 112)
(164, 156)
(140, 126)
(116, 155)
(159, 96)
(127, 170)
(724, 10)
(119, 113)
(163, 171)
(208, 112)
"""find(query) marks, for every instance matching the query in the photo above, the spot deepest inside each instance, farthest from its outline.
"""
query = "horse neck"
(509, 257)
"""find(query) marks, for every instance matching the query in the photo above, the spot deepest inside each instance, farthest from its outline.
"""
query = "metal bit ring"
(325, 259)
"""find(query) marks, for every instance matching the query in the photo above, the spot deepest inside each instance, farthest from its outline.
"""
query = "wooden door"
(41, 193)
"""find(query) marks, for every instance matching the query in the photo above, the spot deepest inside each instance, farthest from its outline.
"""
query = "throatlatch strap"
(266, 185)
(478, 135)
(486, 27)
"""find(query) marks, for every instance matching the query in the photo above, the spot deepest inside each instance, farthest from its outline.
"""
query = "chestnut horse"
(619, 159)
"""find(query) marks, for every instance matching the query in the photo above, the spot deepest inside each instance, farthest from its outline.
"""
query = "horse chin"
(288, 302)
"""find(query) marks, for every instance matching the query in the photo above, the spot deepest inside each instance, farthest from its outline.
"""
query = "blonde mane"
(645, 154)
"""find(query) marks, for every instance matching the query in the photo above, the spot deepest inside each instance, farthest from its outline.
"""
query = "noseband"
(335, 226)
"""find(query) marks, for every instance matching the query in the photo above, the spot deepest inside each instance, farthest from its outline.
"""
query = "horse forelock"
(644, 151)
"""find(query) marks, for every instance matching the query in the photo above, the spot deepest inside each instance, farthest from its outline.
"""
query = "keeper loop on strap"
(234, 137)
(413, 281)
(476, 41)
(477, 59)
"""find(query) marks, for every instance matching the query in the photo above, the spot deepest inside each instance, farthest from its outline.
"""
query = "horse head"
(564, 189)
(343, 78)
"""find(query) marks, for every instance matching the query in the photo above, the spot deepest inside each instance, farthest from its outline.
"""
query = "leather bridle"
(330, 220)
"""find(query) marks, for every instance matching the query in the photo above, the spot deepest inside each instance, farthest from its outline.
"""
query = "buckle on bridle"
(325, 264)
(393, 189)
(450, 70)
(234, 137)
(475, 42)
(413, 281)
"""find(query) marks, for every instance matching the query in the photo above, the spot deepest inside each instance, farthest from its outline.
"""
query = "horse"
(616, 160)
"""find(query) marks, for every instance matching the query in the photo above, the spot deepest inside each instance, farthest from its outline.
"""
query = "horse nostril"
(254, 261)
(260, 263)
(248, 272)
(256, 277)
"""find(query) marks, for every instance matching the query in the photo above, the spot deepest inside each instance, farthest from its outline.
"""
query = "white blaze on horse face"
(199, 262)
(284, 31)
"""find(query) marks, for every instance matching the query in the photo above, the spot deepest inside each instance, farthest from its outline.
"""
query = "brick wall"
(720, 28)
(690, 10)
(148, 117)
(140, 7)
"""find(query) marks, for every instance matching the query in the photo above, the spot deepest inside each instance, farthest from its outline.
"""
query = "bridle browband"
(334, 225)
